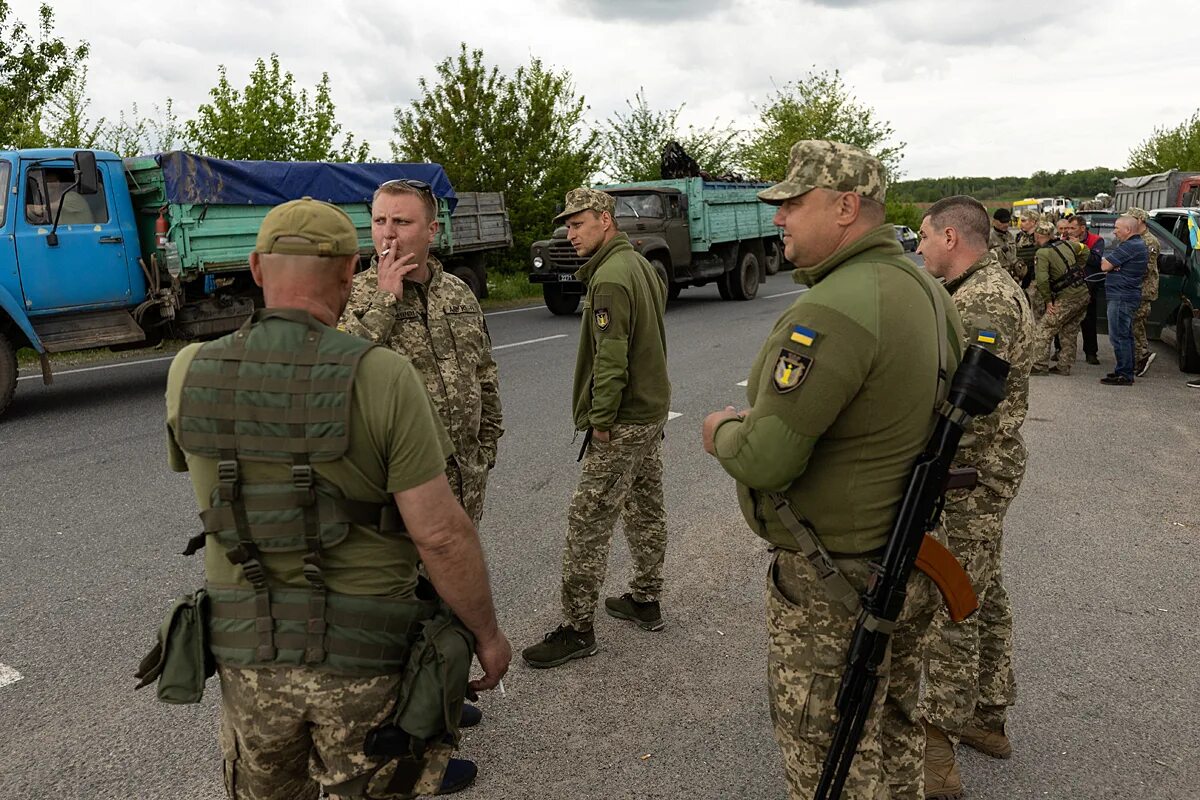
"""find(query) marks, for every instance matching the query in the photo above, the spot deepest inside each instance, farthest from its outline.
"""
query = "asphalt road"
(1100, 561)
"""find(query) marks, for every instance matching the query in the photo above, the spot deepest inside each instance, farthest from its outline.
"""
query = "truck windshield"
(639, 205)
(45, 186)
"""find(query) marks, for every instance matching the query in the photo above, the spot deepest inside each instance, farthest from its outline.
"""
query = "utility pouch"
(434, 685)
(181, 660)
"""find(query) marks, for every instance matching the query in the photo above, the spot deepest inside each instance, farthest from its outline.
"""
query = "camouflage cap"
(1031, 214)
(820, 164)
(1137, 213)
(1046, 228)
(307, 227)
(583, 199)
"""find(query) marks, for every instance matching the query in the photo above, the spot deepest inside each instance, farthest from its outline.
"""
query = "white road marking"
(102, 366)
(530, 341)
(8, 675)
(672, 415)
(784, 294)
(513, 311)
(744, 383)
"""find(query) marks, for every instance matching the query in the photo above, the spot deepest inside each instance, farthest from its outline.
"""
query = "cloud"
(656, 11)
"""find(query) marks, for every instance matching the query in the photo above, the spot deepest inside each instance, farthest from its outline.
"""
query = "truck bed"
(718, 212)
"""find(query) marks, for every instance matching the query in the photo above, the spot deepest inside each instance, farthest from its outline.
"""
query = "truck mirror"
(86, 179)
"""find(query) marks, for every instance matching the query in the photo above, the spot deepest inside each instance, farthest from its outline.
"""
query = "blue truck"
(100, 251)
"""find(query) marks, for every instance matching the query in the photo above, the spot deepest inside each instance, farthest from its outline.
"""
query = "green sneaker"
(560, 646)
(647, 615)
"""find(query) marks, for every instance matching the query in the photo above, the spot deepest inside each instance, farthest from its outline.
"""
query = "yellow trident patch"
(602, 319)
(790, 370)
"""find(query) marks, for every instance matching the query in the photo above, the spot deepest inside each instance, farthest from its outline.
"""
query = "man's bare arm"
(449, 546)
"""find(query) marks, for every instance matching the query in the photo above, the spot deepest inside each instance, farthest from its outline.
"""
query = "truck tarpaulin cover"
(214, 181)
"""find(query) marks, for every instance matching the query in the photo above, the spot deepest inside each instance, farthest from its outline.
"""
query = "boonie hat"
(1046, 228)
(820, 164)
(1032, 214)
(584, 199)
(1137, 213)
(307, 227)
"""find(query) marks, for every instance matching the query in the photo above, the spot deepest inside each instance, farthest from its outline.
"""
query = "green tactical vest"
(278, 391)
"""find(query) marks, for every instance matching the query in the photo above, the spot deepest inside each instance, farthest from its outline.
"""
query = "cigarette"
(385, 252)
(502, 694)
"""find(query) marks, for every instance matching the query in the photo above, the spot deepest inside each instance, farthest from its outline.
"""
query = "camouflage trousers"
(969, 675)
(469, 484)
(1064, 322)
(287, 733)
(809, 640)
(1141, 345)
(622, 477)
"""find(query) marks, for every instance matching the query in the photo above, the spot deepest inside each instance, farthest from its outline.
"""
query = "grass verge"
(510, 289)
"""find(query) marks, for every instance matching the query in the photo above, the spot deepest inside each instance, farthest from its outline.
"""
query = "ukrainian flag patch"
(986, 337)
(803, 335)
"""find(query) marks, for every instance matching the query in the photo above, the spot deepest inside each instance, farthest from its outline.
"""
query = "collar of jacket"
(882, 239)
(615, 245)
(985, 260)
(435, 271)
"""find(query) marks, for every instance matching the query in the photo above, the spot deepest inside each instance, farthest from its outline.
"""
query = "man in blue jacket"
(1124, 269)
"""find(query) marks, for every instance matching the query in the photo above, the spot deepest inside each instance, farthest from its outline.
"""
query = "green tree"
(66, 123)
(270, 120)
(633, 143)
(520, 134)
(32, 72)
(817, 106)
(1169, 148)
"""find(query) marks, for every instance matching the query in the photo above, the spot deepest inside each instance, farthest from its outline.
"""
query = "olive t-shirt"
(396, 442)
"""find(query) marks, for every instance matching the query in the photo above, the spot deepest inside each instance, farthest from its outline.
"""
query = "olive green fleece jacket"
(621, 368)
(842, 397)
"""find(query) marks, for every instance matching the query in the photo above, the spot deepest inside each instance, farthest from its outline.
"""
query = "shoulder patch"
(602, 319)
(803, 335)
(989, 338)
(791, 369)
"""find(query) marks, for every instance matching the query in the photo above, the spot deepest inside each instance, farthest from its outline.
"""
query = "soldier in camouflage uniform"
(621, 399)
(1065, 303)
(1142, 353)
(1025, 247)
(841, 402)
(1000, 242)
(969, 684)
(421, 311)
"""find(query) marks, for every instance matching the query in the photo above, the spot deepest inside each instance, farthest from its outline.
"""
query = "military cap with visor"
(1137, 213)
(307, 227)
(585, 199)
(1046, 228)
(820, 164)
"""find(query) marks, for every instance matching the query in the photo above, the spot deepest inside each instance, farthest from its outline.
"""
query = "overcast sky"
(972, 91)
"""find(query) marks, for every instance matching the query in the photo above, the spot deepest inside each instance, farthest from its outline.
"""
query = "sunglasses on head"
(412, 183)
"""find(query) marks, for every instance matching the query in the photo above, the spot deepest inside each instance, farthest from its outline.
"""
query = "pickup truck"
(692, 232)
(96, 251)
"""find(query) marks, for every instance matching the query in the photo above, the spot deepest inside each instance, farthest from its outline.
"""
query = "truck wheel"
(1189, 356)
(673, 290)
(743, 281)
(470, 277)
(8, 372)
(774, 260)
(723, 286)
(559, 302)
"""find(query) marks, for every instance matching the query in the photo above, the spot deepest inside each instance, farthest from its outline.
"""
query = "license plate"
(566, 276)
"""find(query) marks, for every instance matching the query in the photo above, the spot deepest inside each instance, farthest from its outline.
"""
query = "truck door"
(677, 233)
(87, 268)
(8, 252)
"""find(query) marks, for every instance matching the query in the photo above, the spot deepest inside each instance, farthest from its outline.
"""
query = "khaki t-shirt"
(396, 443)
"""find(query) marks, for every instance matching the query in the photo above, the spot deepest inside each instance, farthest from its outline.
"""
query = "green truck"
(97, 251)
(694, 232)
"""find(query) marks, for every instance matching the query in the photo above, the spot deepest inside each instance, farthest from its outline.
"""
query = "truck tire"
(8, 372)
(774, 260)
(673, 290)
(743, 281)
(560, 303)
(470, 277)
(1189, 356)
(661, 270)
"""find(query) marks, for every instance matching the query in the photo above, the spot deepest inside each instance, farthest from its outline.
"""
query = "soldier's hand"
(712, 422)
(494, 655)
(392, 268)
(1051, 308)
(601, 436)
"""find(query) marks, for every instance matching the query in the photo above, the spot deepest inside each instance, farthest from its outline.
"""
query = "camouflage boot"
(560, 646)
(647, 615)
(942, 781)
(992, 743)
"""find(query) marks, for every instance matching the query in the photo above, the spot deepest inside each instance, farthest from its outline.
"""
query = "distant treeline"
(1077, 184)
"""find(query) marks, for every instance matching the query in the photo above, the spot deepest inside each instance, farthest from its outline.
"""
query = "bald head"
(1126, 227)
(319, 285)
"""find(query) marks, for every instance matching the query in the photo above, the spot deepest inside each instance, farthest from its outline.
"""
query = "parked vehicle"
(108, 253)
(692, 231)
(1062, 206)
(1163, 189)
(906, 238)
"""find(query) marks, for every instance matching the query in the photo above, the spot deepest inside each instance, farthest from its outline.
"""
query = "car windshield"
(639, 205)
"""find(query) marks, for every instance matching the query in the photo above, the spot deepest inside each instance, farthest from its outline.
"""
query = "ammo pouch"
(180, 661)
(434, 685)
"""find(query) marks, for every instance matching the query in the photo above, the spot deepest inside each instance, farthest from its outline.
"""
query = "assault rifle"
(977, 389)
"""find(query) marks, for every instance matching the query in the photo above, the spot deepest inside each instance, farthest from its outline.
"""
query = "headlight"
(537, 262)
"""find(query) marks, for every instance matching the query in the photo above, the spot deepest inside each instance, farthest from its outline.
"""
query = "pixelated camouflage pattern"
(1004, 248)
(585, 199)
(441, 328)
(1150, 281)
(820, 164)
(1024, 247)
(1031, 213)
(988, 299)
(1045, 227)
(287, 733)
(969, 675)
(1064, 322)
(809, 638)
(621, 477)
